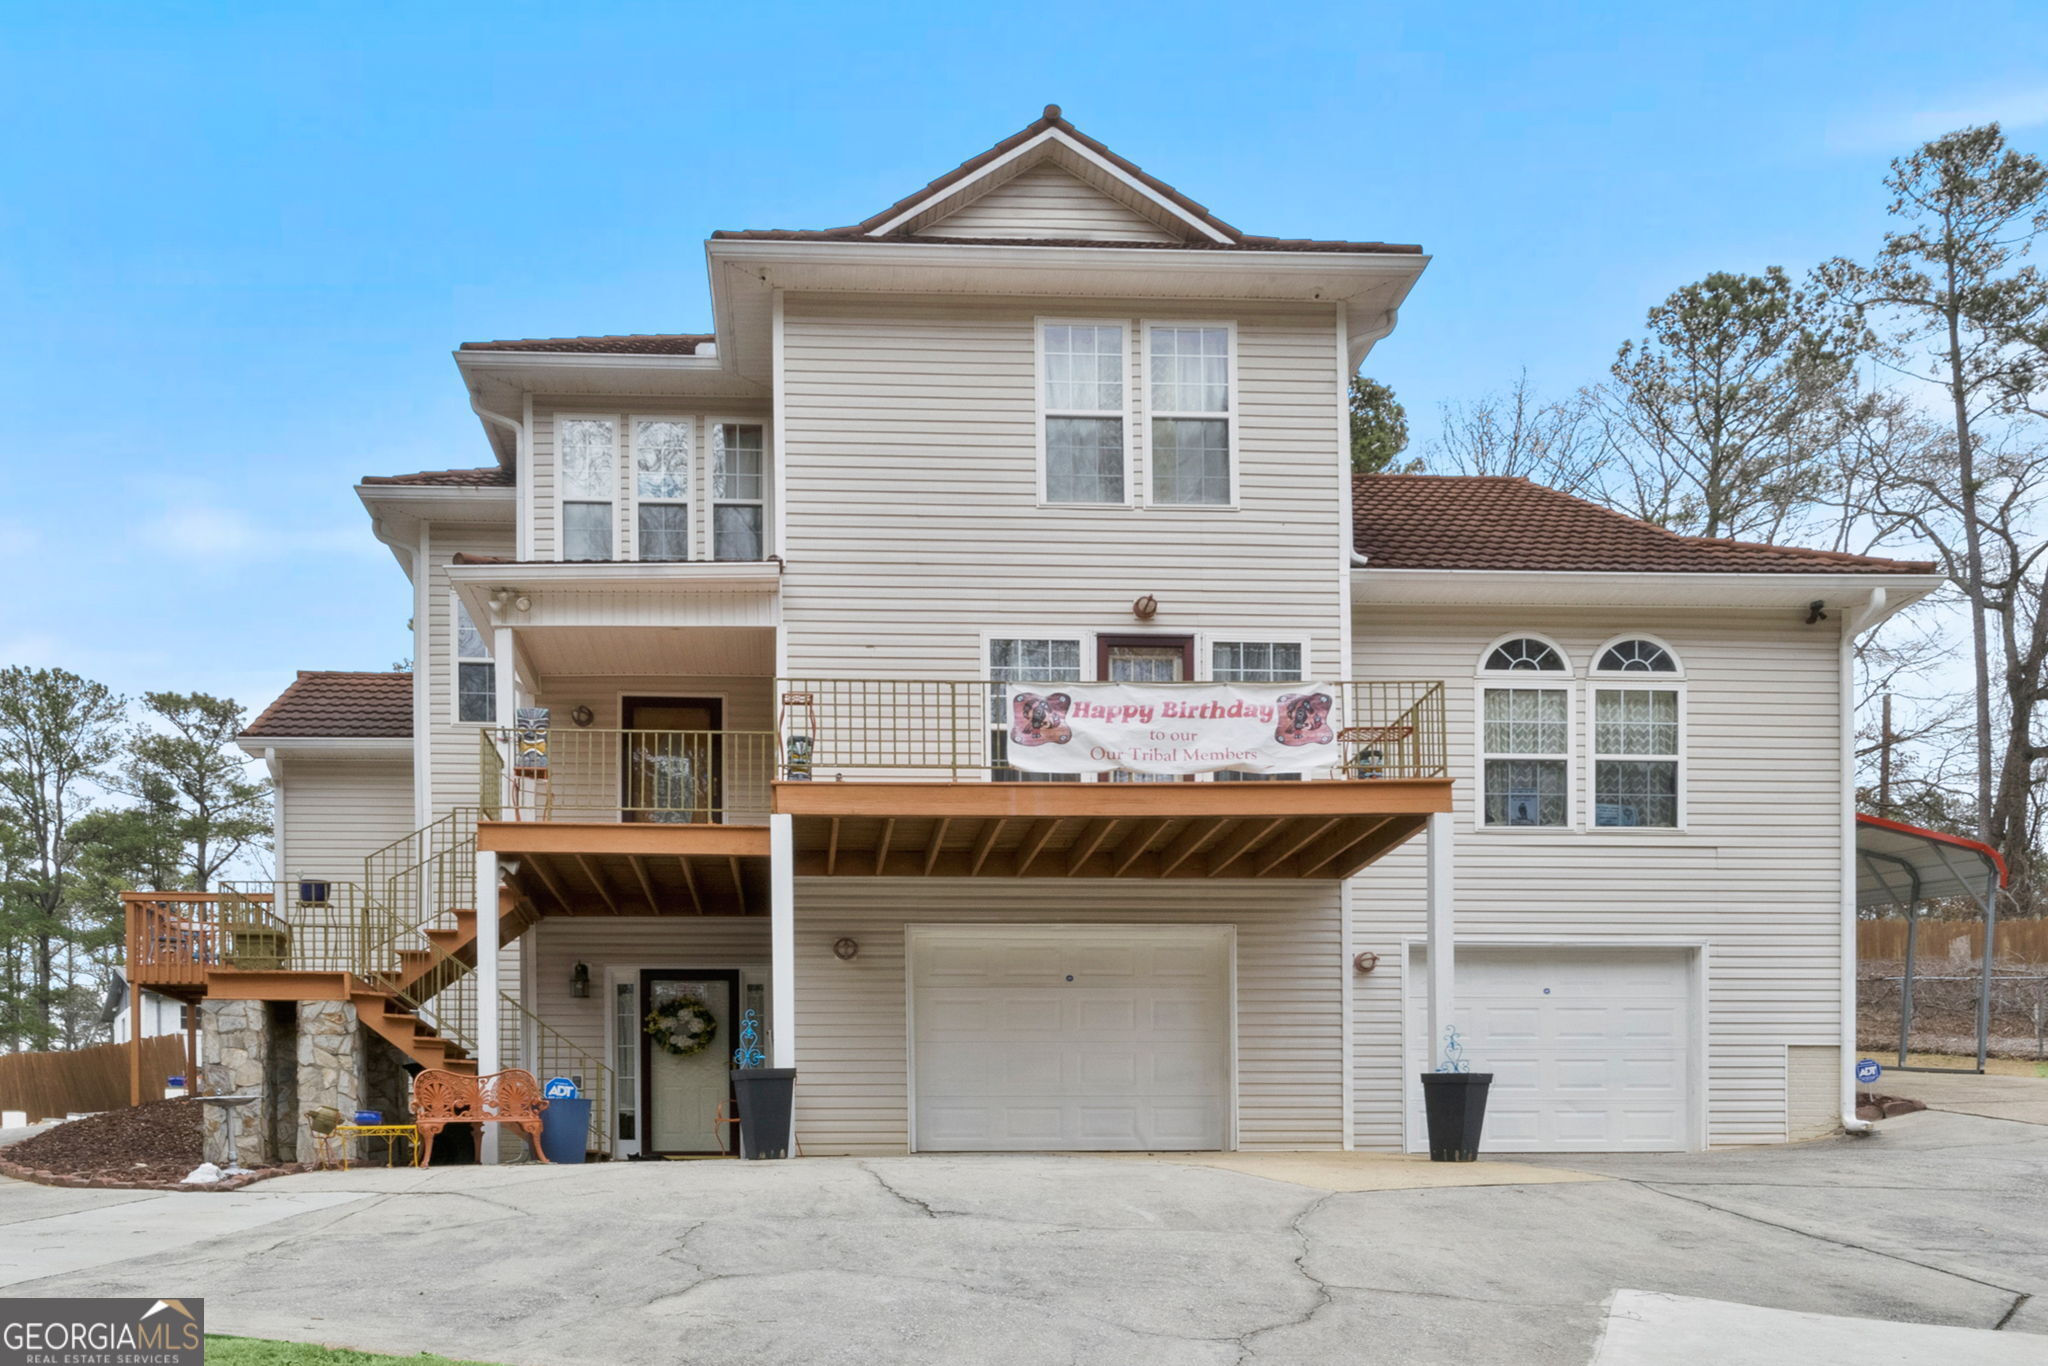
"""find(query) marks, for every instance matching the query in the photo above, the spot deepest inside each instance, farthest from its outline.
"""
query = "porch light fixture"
(1145, 608)
(846, 948)
(1365, 962)
(582, 715)
(579, 980)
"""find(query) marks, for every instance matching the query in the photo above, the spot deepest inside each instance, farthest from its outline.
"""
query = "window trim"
(1083, 641)
(1593, 669)
(457, 659)
(712, 501)
(1129, 415)
(1616, 681)
(1229, 416)
(631, 501)
(1207, 641)
(1566, 681)
(620, 442)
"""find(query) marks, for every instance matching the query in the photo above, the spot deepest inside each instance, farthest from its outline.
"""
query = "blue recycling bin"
(565, 1129)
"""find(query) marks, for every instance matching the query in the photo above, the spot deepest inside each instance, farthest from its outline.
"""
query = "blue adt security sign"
(564, 1088)
(1867, 1071)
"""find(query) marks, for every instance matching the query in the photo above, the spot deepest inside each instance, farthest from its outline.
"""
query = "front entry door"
(680, 1095)
(670, 768)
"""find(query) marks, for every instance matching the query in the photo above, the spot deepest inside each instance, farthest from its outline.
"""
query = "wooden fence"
(50, 1085)
(2019, 941)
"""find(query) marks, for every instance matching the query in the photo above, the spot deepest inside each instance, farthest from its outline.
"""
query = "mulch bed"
(145, 1147)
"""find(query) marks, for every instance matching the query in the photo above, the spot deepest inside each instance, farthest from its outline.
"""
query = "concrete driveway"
(1027, 1259)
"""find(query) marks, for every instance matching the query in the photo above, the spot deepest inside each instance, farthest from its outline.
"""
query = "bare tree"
(1946, 299)
(1558, 442)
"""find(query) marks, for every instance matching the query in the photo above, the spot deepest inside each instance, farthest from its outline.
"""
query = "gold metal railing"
(955, 730)
(673, 776)
(547, 1052)
(303, 925)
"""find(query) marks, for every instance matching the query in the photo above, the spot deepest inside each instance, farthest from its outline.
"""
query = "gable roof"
(489, 477)
(631, 344)
(1490, 522)
(1203, 229)
(344, 705)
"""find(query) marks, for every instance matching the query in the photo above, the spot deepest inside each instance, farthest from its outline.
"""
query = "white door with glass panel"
(683, 1083)
(1127, 659)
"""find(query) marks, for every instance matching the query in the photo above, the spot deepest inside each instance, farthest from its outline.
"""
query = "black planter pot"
(767, 1100)
(1455, 1103)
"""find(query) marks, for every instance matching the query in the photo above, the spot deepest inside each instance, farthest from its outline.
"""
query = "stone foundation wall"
(330, 1072)
(244, 1049)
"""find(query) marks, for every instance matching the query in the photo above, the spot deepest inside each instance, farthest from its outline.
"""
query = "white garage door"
(1590, 1049)
(1031, 1037)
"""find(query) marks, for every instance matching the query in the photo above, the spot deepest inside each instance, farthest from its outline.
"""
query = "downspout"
(1854, 624)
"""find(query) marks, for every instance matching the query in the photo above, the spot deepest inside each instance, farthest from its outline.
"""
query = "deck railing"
(955, 730)
(306, 925)
(684, 777)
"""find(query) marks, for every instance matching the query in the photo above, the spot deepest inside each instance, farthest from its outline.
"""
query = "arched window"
(1638, 757)
(1524, 652)
(1525, 735)
(1636, 657)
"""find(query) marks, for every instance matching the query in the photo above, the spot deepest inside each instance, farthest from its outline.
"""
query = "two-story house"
(751, 664)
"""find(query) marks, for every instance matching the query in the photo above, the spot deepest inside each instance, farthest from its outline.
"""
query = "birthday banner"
(1171, 728)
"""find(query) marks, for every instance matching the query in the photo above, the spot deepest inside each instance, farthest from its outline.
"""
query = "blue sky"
(237, 242)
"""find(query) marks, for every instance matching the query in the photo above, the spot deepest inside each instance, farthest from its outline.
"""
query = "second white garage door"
(1590, 1048)
(1071, 1037)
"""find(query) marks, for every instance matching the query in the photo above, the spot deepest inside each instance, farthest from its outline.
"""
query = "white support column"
(1442, 962)
(782, 941)
(487, 1060)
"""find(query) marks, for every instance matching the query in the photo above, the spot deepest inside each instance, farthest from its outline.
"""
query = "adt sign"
(564, 1088)
(1867, 1071)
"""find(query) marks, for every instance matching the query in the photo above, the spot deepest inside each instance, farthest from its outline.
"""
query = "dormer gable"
(1044, 201)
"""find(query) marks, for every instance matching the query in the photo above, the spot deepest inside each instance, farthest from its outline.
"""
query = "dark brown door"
(671, 760)
(1144, 659)
(680, 1092)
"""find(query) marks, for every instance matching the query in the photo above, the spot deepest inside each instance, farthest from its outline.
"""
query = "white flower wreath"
(682, 1027)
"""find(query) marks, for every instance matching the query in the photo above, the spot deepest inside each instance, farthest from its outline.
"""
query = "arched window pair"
(1528, 747)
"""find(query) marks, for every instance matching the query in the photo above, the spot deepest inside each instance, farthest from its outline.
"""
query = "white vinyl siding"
(852, 1022)
(336, 812)
(453, 745)
(1047, 202)
(1755, 874)
(912, 486)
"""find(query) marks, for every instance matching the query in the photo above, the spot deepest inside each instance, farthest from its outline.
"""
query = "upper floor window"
(1191, 410)
(1084, 457)
(587, 460)
(1255, 661)
(1637, 753)
(1525, 737)
(739, 491)
(476, 677)
(661, 488)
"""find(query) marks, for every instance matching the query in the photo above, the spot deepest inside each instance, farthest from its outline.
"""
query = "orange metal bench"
(441, 1098)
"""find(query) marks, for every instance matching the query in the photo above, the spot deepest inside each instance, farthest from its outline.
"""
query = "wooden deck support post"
(1442, 963)
(134, 1044)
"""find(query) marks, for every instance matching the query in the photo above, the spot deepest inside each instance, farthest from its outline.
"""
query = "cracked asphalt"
(1943, 1219)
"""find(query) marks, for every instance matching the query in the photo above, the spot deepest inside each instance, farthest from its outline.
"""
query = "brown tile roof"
(639, 344)
(489, 477)
(1237, 241)
(344, 705)
(1434, 521)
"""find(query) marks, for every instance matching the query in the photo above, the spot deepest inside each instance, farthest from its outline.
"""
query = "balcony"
(912, 778)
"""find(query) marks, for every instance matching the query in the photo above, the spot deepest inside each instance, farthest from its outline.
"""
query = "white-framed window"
(587, 486)
(1525, 735)
(1192, 372)
(662, 460)
(1256, 661)
(476, 676)
(1084, 454)
(1638, 736)
(1025, 659)
(739, 491)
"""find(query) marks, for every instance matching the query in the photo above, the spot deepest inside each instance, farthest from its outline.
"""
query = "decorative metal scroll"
(749, 1054)
(1454, 1052)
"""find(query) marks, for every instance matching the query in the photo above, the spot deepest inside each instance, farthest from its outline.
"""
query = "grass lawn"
(224, 1351)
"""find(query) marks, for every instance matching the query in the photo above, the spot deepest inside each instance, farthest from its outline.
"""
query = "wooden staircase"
(457, 943)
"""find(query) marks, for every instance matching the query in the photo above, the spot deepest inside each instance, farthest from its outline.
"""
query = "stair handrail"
(556, 1054)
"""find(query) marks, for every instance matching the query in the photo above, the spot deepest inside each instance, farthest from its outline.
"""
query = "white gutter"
(1854, 623)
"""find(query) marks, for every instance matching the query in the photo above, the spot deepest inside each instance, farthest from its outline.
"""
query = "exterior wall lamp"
(1145, 608)
(579, 980)
(846, 948)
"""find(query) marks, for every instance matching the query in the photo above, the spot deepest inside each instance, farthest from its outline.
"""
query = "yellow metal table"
(346, 1133)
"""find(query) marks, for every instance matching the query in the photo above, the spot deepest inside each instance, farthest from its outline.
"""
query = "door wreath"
(683, 1027)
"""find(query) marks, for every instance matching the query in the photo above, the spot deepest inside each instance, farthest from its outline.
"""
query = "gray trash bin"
(565, 1129)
